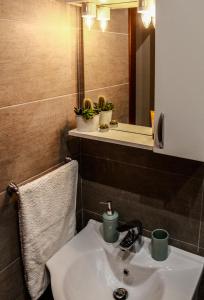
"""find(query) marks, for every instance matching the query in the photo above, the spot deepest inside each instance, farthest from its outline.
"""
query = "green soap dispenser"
(110, 224)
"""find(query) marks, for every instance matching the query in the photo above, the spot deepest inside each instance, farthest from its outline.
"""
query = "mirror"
(119, 65)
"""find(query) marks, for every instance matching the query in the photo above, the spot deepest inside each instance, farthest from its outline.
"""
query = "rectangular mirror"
(119, 65)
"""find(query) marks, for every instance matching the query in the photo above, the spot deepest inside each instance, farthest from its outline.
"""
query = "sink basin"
(88, 268)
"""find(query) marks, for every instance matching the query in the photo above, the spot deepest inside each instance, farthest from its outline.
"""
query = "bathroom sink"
(88, 268)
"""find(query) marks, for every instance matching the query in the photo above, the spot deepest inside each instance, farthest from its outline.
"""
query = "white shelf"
(113, 136)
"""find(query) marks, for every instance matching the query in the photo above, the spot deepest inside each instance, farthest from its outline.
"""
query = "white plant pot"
(105, 117)
(84, 125)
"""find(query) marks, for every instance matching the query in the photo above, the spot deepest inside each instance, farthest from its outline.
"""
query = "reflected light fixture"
(103, 16)
(147, 10)
(146, 19)
(88, 13)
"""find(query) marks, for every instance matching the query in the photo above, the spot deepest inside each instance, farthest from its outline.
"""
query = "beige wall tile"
(37, 10)
(105, 59)
(36, 62)
(119, 96)
(32, 137)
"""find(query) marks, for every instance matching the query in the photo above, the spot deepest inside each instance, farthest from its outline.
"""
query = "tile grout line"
(107, 87)
(9, 265)
(200, 224)
(106, 32)
(36, 176)
(58, 97)
(38, 100)
(138, 166)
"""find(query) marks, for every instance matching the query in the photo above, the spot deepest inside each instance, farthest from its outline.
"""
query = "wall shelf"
(113, 136)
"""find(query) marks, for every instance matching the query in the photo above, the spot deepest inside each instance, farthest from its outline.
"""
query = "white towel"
(47, 220)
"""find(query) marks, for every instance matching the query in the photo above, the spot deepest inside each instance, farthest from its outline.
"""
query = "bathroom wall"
(38, 89)
(162, 191)
(106, 63)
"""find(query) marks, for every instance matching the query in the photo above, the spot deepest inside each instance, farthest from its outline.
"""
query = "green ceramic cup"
(159, 245)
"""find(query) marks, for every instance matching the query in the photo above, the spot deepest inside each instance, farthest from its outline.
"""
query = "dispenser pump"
(110, 223)
(109, 207)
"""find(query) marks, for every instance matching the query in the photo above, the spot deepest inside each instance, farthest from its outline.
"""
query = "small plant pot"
(105, 117)
(103, 129)
(113, 125)
(90, 125)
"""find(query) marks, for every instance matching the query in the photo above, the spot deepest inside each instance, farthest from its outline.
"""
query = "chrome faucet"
(133, 240)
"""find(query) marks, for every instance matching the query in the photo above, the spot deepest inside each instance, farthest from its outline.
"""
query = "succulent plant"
(103, 105)
(87, 103)
(87, 111)
(101, 102)
(113, 122)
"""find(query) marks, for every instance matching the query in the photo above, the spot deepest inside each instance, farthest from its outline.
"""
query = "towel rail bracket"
(12, 188)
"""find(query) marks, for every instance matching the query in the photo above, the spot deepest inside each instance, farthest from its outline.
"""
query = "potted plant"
(87, 116)
(106, 110)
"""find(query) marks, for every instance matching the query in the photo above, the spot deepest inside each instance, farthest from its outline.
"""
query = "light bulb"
(154, 21)
(89, 22)
(103, 25)
(146, 19)
(103, 16)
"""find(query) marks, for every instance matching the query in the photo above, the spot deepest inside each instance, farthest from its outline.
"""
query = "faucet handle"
(135, 224)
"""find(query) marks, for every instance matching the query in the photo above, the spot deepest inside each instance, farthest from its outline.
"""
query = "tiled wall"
(161, 191)
(106, 63)
(38, 86)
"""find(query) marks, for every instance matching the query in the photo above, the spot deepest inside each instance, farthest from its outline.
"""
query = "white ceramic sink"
(88, 268)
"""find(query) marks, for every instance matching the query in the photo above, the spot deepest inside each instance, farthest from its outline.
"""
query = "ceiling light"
(89, 14)
(103, 16)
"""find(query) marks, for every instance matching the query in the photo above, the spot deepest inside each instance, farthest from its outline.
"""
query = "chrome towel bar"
(12, 188)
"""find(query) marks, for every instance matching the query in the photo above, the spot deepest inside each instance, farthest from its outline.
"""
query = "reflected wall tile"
(105, 59)
(119, 96)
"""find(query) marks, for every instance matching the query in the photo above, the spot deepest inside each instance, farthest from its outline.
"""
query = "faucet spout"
(133, 240)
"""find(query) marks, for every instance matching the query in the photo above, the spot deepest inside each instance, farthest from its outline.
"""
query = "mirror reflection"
(119, 66)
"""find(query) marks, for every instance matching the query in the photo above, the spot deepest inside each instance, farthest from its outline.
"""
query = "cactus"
(87, 103)
(101, 102)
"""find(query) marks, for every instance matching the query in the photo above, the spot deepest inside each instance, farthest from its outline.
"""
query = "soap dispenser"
(110, 224)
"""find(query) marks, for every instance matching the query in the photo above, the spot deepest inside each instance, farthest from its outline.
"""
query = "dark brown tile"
(88, 215)
(201, 242)
(201, 251)
(79, 194)
(12, 282)
(142, 181)
(184, 246)
(143, 158)
(79, 220)
(33, 137)
(9, 246)
(153, 212)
